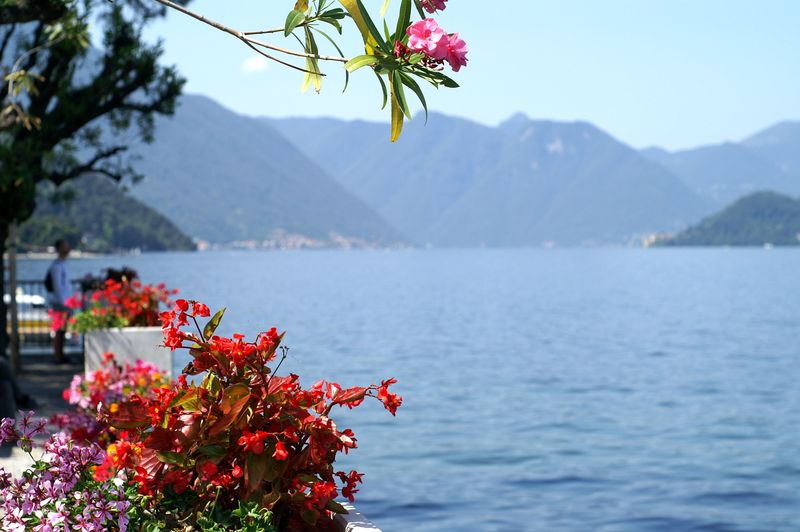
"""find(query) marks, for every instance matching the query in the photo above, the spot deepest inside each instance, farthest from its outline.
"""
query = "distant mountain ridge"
(317, 182)
(722, 173)
(525, 183)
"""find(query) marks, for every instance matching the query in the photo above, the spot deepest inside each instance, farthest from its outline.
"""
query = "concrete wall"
(128, 344)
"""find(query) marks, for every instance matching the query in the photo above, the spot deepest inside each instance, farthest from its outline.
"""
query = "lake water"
(587, 389)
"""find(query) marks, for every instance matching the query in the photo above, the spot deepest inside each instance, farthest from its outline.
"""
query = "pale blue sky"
(674, 73)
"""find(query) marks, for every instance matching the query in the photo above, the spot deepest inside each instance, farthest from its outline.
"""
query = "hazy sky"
(671, 73)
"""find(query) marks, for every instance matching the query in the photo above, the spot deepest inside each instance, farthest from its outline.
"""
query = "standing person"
(60, 290)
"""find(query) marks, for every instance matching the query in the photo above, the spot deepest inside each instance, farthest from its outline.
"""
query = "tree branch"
(90, 167)
(245, 38)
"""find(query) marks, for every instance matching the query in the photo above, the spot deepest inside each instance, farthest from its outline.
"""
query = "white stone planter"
(353, 521)
(128, 344)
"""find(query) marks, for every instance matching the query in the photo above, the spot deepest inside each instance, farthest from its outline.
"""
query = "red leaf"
(161, 439)
(234, 399)
(255, 470)
(130, 415)
(350, 395)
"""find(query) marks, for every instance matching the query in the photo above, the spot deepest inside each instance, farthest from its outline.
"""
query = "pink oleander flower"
(457, 52)
(427, 37)
(432, 5)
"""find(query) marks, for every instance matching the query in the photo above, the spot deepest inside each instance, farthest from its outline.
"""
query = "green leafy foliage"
(175, 512)
(84, 322)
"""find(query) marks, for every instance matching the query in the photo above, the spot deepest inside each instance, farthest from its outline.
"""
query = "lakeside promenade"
(44, 381)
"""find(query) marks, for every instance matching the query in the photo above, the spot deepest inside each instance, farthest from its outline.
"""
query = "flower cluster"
(428, 38)
(123, 303)
(58, 491)
(109, 385)
(243, 434)
(416, 50)
(59, 318)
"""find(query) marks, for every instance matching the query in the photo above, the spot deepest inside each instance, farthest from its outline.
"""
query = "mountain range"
(722, 173)
(454, 182)
(224, 177)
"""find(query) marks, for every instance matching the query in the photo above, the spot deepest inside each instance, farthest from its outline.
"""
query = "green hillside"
(234, 178)
(97, 215)
(755, 220)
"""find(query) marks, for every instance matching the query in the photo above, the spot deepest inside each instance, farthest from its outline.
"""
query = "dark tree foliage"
(17, 11)
(82, 98)
(99, 217)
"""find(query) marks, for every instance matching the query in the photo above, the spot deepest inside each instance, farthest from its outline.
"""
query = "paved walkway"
(44, 381)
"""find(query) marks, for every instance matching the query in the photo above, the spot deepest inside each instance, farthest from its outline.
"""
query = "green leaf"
(333, 22)
(448, 82)
(213, 323)
(341, 54)
(189, 400)
(386, 33)
(335, 507)
(397, 111)
(384, 7)
(414, 86)
(416, 58)
(211, 383)
(385, 92)
(292, 21)
(400, 94)
(308, 516)
(360, 61)
(371, 26)
(335, 13)
(312, 76)
(256, 470)
(307, 478)
(403, 20)
(179, 459)
(213, 451)
(355, 12)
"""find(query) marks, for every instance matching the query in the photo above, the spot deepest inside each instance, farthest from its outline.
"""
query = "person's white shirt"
(62, 288)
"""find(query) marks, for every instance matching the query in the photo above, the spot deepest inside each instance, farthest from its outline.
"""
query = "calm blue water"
(544, 389)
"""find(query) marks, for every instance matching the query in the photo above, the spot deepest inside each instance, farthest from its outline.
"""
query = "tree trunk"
(3, 308)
